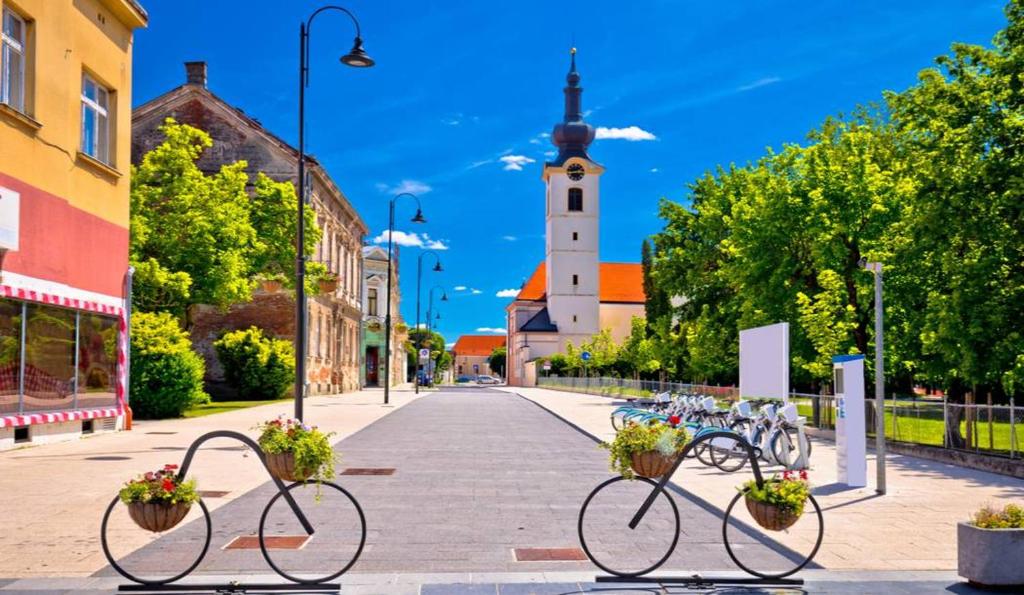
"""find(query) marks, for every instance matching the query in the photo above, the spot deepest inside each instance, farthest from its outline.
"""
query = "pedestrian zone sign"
(424, 354)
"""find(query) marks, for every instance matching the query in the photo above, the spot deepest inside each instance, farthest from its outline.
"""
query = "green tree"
(497, 360)
(273, 211)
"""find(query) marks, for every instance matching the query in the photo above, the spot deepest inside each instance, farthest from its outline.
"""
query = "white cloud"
(413, 186)
(488, 329)
(545, 135)
(762, 82)
(550, 153)
(414, 240)
(654, 170)
(533, 141)
(456, 288)
(509, 238)
(475, 291)
(446, 345)
(505, 293)
(630, 133)
(515, 162)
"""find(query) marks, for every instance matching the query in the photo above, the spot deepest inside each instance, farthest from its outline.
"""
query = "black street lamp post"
(419, 331)
(417, 218)
(356, 57)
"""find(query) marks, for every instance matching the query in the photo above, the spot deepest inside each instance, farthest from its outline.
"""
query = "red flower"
(674, 420)
(170, 467)
(168, 484)
(787, 474)
(803, 474)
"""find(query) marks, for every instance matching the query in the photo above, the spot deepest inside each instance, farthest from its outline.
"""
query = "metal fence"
(986, 429)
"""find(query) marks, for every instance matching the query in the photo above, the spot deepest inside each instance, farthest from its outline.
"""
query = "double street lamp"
(357, 58)
(417, 218)
(419, 332)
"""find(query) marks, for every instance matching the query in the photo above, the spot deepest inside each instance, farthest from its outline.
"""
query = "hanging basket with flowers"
(647, 450)
(159, 500)
(295, 451)
(779, 502)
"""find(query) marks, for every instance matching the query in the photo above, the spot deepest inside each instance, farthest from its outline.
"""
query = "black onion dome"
(572, 135)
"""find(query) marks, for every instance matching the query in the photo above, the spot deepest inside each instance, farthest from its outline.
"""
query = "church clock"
(575, 172)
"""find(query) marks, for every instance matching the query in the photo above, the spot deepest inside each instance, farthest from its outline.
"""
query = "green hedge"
(258, 367)
(166, 375)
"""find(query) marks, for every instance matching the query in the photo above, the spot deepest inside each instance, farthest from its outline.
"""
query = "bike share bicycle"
(657, 514)
(285, 492)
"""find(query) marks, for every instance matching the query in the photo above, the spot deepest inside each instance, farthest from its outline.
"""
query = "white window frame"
(100, 152)
(8, 46)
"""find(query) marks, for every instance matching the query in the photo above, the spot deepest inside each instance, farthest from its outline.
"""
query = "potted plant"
(647, 450)
(328, 283)
(270, 282)
(779, 502)
(157, 501)
(373, 326)
(988, 543)
(295, 451)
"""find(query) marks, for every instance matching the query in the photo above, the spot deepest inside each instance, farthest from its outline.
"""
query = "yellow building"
(65, 142)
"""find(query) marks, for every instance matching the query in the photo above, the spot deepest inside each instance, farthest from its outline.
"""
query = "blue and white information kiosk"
(851, 437)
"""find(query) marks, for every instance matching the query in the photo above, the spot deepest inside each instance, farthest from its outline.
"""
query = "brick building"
(471, 352)
(333, 362)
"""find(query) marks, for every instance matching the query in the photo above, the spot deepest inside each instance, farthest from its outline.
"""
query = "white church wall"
(619, 318)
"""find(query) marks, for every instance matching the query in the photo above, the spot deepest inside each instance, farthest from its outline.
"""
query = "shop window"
(97, 360)
(49, 377)
(10, 355)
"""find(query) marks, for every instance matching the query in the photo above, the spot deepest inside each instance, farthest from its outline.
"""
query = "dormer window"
(576, 199)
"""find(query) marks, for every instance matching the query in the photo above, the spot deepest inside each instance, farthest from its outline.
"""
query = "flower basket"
(158, 517)
(651, 464)
(282, 466)
(328, 285)
(271, 285)
(771, 516)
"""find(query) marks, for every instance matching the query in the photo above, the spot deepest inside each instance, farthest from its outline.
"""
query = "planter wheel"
(769, 516)
(651, 464)
(157, 517)
(282, 466)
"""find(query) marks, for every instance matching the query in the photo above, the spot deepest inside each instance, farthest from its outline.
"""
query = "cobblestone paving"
(477, 474)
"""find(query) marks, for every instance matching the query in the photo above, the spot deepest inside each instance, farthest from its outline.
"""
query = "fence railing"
(986, 429)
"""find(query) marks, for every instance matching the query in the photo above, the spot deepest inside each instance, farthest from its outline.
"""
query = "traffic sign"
(547, 366)
(585, 356)
(424, 355)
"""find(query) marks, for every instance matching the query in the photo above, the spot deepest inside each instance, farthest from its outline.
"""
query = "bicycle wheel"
(728, 455)
(789, 437)
(144, 581)
(339, 531)
(611, 544)
(779, 549)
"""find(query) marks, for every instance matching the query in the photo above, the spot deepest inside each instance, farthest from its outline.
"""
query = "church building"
(571, 295)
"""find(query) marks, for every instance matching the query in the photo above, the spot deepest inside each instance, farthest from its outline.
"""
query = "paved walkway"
(54, 494)
(477, 474)
(912, 527)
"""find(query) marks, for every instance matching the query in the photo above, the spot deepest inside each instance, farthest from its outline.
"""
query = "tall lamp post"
(417, 218)
(357, 58)
(419, 332)
(876, 268)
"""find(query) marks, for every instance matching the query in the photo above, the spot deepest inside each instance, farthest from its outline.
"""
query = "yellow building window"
(12, 60)
(95, 120)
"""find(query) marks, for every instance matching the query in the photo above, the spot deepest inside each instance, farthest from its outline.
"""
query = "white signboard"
(764, 361)
(10, 202)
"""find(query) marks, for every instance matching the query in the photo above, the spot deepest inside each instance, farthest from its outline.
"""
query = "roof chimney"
(195, 73)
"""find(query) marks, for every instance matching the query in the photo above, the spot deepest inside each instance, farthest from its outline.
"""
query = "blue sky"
(459, 86)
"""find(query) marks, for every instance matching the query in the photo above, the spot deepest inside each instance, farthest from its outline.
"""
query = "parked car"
(485, 379)
(462, 379)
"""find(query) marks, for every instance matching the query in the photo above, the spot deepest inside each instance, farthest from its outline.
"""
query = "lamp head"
(418, 217)
(444, 297)
(437, 267)
(357, 56)
(863, 262)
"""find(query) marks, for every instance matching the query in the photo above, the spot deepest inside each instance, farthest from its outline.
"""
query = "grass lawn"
(224, 406)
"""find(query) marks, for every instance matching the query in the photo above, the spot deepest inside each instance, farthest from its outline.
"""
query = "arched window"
(575, 199)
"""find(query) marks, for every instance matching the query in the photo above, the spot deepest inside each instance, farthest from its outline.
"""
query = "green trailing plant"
(312, 449)
(788, 492)
(637, 438)
(1009, 517)
(259, 367)
(160, 487)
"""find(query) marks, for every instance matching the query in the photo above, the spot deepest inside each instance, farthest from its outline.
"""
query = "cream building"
(572, 294)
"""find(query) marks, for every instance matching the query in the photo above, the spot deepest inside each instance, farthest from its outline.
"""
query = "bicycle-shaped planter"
(304, 583)
(592, 547)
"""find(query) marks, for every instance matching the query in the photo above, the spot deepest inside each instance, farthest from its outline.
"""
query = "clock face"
(575, 172)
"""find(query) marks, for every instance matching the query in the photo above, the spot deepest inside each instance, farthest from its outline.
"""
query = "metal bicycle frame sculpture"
(659, 489)
(283, 491)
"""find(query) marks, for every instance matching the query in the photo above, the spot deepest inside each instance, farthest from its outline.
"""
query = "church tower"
(573, 210)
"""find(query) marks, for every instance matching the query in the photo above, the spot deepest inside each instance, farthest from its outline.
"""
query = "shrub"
(1010, 517)
(258, 367)
(166, 375)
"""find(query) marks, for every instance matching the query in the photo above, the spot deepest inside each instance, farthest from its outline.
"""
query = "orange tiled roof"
(478, 344)
(621, 282)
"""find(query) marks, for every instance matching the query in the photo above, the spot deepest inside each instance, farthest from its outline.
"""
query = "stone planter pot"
(157, 517)
(282, 466)
(990, 557)
(651, 464)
